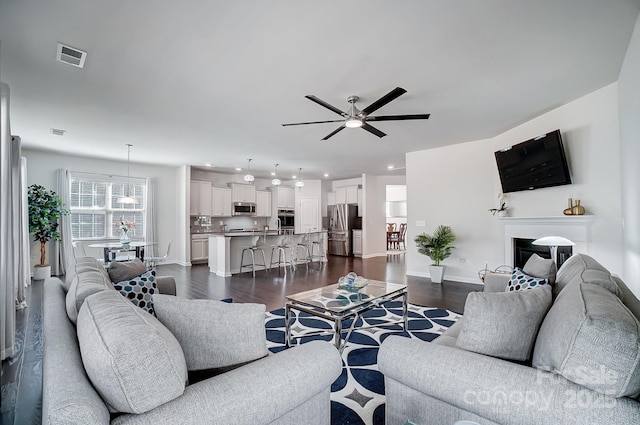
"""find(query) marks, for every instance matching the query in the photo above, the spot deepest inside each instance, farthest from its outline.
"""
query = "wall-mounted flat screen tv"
(539, 162)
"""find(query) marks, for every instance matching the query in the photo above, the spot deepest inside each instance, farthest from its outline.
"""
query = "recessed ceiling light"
(273, 173)
(326, 174)
(208, 164)
(390, 167)
(294, 177)
(238, 169)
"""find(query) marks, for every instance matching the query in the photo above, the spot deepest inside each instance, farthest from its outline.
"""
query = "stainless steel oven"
(287, 218)
(244, 208)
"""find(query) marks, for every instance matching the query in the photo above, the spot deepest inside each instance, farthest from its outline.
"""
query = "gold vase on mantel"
(574, 209)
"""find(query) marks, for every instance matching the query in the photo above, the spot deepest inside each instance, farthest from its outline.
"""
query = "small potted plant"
(437, 247)
(45, 208)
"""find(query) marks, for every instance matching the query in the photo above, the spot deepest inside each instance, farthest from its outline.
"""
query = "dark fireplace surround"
(524, 248)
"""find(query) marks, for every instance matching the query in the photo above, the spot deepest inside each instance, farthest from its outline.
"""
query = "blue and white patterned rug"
(357, 396)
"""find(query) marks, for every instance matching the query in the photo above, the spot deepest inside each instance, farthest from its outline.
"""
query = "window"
(94, 209)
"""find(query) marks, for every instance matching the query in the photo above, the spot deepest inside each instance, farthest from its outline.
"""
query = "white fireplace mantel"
(575, 228)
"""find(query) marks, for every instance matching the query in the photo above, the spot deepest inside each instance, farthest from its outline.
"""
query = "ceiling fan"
(360, 118)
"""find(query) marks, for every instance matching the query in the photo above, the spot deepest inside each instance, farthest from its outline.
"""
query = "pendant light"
(249, 177)
(299, 183)
(128, 199)
(276, 181)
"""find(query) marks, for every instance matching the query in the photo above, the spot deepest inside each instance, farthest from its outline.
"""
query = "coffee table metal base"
(355, 313)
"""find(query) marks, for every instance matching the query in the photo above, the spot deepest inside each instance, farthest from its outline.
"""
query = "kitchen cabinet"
(357, 242)
(263, 203)
(200, 198)
(221, 203)
(243, 193)
(308, 215)
(341, 195)
(352, 194)
(285, 197)
(199, 248)
(331, 198)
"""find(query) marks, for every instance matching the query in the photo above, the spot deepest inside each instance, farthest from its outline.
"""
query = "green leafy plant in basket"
(45, 208)
(437, 246)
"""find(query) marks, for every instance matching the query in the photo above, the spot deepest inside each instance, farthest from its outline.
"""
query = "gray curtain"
(63, 249)
(11, 235)
(151, 233)
(24, 262)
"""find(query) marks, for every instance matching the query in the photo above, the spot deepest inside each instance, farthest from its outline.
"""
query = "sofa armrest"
(501, 391)
(496, 282)
(166, 285)
(258, 393)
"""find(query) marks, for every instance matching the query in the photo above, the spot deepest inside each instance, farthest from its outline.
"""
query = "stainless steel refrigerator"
(341, 221)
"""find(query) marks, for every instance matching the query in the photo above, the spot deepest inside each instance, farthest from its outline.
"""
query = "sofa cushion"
(503, 324)
(123, 270)
(88, 281)
(582, 268)
(537, 266)
(521, 281)
(133, 361)
(592, 339)
(139, 290)
(214, 334)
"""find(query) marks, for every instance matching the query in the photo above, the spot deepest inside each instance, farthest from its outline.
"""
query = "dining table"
(111, 248)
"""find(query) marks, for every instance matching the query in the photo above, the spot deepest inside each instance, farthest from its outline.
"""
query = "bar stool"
(257, 244)
(318, 245)
(304, 245)
(283, 245)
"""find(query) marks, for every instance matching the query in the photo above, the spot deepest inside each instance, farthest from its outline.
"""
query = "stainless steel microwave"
(244, 208)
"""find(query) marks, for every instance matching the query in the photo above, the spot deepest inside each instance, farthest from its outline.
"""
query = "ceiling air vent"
(71, 55)
(58, 132)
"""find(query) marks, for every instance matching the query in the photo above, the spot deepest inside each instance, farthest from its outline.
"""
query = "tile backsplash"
(206, 224)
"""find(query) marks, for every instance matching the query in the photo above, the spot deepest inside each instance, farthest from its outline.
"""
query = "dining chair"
(391, 227)
(150, 261)
(78, 249)
(402, 235)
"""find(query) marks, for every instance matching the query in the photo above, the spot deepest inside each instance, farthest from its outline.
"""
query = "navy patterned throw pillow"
(139, 290)
(521, 281)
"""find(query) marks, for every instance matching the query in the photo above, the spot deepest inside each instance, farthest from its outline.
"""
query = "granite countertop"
(246, 233)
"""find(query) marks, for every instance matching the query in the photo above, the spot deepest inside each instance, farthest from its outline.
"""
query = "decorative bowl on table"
(352, 282)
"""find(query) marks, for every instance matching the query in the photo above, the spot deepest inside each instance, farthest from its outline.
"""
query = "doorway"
(396, 219)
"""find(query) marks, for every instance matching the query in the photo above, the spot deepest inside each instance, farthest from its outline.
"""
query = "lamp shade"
(553, 241)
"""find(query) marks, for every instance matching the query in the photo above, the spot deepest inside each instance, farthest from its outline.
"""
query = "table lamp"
(553, 242)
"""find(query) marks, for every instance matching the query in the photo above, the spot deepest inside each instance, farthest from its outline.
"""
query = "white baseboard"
(378, 254)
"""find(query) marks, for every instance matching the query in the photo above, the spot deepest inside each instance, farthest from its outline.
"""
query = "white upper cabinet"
(200, 196)
(263, 203)
(331, 198)
(352, 194)
(341, 195)
(285, 197)
(221, 204)
(243, 193)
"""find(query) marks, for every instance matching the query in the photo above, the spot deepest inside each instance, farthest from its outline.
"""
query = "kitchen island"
(225, 249)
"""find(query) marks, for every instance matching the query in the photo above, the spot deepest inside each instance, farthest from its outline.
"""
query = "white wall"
(456, 185)
(42, 166)
(629, 104)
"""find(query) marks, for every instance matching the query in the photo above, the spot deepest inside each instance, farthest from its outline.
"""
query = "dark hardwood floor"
(22, 374)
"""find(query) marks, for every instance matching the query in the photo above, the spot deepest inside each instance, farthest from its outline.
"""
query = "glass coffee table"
(338, 305)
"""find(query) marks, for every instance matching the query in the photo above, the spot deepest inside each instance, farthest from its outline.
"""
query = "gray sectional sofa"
(122, 365)
(580, 365)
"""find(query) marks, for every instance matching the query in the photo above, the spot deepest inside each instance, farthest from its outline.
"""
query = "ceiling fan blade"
(325, 104)
(372, 130)
(312, 122)
(393, 94)
(400, 117)
(337, 130)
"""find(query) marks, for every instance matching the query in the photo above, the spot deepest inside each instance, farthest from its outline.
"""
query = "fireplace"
(524, 248)
(574, 228)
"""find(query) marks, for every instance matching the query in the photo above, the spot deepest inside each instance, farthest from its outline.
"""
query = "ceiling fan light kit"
(359, 118)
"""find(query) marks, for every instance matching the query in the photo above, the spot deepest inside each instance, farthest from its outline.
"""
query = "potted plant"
(45, 208)
(438, 248)
(502, 201)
